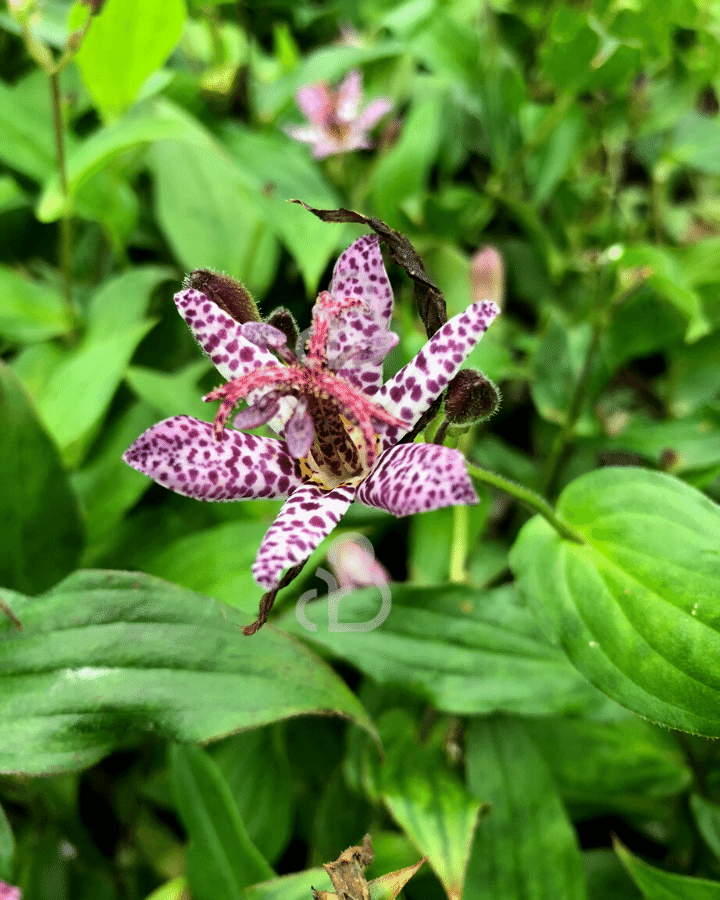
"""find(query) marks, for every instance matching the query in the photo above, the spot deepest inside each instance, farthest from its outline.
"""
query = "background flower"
(338, 123)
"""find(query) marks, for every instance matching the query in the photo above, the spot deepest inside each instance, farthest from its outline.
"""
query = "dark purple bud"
(283, 320)
(470, 398)
(231, 296)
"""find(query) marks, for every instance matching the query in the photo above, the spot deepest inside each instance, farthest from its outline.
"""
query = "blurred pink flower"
(8, 892)
(337, 123)
(354, 565)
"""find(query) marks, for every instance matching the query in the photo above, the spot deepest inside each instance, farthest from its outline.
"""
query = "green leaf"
(108, 657)
(635, 606)
(426, 797)
(256, 767)
(107, 486)
(7, 848)
(289, 887)
(210, 216)
(156, 122)
(558, 363)
(40, 526)
(278, 169)
(126, 43)
(696, 142)
(171, 890)
(626, 764)
(658, 885)
(26, 125)
(122, 301)
(467, 651)
(707, 818)
(30, 311)
(79, 391)
(172, 393)
(213, 561)
(402, 172)
(525, 846)
(221, 859)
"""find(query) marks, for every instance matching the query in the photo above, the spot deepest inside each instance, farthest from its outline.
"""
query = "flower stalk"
(528, 498)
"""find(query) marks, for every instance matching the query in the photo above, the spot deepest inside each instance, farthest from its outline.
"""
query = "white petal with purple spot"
(414, 478)
(360, 273)
(306, 518)
(183, 455)
(220, 336)
(409, 394)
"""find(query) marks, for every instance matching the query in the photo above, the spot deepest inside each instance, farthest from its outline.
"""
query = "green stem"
(65, 221)
(459, 547)
(528, 498)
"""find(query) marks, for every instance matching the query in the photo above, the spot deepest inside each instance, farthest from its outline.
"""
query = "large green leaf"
(658, 885)
(40, 526)
(525, 846)
(426, 797)
(107, 657)
(209, 214)
(127, 42)
(467, 651)
(30, 311)
(625, 764)
(636, 606)
(221, 858)
(156, 122)
(289, 887)
(79, 390)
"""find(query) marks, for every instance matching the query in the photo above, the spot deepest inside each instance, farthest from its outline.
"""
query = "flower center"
(341, 420)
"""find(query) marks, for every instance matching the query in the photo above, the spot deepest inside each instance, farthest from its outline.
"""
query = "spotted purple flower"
(337, 124)
(341, 425)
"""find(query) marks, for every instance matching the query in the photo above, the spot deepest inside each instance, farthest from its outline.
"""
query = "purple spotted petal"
(306, 518)
(299, 431)
(414, 478)
(183, 455)
(263, 335)
(360, 273)
(417, 384)
(220, 336)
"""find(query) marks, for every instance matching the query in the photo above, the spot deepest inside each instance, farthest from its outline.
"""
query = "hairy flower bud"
(283, 320)
(487, 276)
(231, 296)
(471, 397)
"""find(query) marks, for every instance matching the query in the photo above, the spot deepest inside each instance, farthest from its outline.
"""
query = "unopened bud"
(353, 563)
(9, 892)
(283, 320)
(231, 296)
(95, 6)
(471, 397)
(487, 276)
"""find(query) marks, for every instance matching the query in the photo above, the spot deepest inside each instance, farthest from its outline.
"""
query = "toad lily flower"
(336, 123)
(341, 425)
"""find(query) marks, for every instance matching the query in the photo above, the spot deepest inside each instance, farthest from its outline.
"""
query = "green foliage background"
(520, 685)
